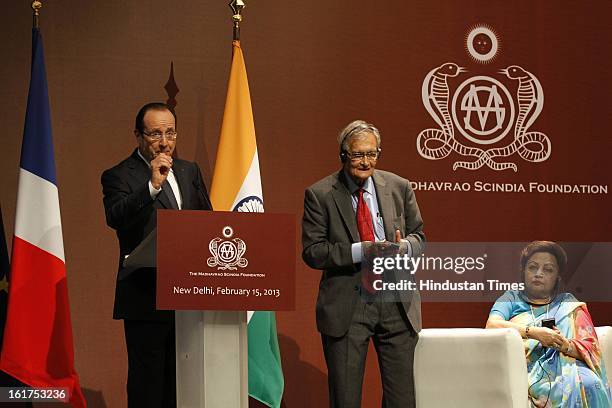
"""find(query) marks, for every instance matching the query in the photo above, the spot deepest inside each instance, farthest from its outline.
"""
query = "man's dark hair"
(157, 106)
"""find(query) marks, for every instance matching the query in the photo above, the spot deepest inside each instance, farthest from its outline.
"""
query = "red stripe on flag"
(37, 347)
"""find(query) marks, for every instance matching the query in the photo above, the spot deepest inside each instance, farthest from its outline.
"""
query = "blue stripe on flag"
(37, 147)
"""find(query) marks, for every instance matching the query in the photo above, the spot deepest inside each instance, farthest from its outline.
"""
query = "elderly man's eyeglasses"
(359, 156)
(157, 136)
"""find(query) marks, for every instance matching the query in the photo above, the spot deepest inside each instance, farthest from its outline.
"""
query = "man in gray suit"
(355, 211)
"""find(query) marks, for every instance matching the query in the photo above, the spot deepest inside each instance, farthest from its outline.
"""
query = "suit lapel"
(342, 197)
(141, 174)
(385, 205)
(181, 179)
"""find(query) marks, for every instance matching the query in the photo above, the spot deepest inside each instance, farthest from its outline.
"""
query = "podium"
(213, 267)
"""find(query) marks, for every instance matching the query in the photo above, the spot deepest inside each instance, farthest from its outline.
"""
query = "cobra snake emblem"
(436, 94)
(236, 259)
(530, 98)
(436, 144)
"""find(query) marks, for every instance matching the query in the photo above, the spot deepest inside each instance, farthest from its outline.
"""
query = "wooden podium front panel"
(225, 260)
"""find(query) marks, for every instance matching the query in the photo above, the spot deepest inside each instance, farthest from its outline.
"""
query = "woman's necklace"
(533, 314)
(547, 302)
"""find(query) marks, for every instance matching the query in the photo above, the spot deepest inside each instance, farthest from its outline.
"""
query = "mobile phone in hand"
(550, 323)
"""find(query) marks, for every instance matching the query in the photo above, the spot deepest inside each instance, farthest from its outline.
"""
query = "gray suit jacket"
(329, 227)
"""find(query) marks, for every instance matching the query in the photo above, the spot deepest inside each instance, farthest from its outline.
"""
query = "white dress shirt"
(171, 180)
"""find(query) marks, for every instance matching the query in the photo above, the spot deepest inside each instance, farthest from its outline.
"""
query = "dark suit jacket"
(329, 227)
(131, 211)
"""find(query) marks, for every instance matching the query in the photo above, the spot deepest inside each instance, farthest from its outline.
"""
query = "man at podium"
(149, 179)
(355, 209)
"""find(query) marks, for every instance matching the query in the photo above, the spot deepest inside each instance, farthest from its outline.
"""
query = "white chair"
(470, 368)
(473, 368)
(604, 334)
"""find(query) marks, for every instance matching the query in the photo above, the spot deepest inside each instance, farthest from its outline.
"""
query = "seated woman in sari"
(564, 362)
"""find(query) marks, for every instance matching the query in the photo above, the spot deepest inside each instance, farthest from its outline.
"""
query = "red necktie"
(366, 233)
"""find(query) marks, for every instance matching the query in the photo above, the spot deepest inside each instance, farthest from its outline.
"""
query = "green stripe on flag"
(266, 381)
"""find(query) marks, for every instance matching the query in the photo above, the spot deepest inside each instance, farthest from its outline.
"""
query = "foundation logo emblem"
(480, 118)
(227, 254)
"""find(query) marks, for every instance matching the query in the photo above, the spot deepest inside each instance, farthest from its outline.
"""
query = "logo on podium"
(227, 254)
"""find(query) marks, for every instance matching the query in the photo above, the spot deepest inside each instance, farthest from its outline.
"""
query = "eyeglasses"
(548, 269)
(359, 156)
(157, 136)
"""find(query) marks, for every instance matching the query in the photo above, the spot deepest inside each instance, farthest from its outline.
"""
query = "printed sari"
(555, 379)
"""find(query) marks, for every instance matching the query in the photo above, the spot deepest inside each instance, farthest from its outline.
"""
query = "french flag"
(37, 348)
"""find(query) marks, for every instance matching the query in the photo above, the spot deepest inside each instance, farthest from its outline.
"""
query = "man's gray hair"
(357, 128)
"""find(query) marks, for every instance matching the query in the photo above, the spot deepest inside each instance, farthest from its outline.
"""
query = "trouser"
(394, 340)
(151, 363)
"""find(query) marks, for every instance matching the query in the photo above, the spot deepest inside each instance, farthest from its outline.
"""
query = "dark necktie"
(366, 233)
(170, 194)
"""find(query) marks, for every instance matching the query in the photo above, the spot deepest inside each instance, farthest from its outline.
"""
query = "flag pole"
(36, 6)
(237, 6)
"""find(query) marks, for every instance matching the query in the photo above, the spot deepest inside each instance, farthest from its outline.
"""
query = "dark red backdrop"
(313, 66)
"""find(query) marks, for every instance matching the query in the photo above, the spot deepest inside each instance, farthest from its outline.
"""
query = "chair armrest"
(470, 368)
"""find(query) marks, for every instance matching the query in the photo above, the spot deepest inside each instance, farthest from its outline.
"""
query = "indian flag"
(236, 186)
